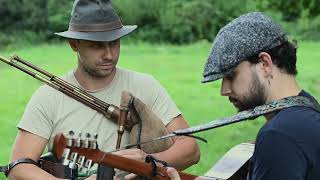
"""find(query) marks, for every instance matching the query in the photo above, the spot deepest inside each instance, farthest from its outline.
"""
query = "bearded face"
(244, 88)
(255, 95)
(98, 59)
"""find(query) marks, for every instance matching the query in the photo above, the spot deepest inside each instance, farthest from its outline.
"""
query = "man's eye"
(230, 76)
(112, 43)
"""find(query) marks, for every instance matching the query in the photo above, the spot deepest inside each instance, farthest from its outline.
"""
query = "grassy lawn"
(178, 68)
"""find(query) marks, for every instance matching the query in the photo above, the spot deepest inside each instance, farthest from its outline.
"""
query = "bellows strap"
(56, 169)
(6, 169)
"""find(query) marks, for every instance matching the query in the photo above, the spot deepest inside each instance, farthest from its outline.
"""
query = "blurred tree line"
(173, 21)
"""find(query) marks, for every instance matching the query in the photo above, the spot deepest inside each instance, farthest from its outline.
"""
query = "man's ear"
(74, 44)
(267, 64)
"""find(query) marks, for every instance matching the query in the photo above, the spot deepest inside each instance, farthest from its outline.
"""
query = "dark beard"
(255, 97)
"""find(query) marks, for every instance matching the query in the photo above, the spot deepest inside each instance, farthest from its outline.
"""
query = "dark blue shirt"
(288, 146)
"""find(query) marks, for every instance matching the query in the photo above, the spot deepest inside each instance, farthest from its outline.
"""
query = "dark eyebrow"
(98, 43)
(231, 74)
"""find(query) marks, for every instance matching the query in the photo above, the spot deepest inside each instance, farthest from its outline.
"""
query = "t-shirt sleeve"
(163, 105)
(39, 113)
(278, 157)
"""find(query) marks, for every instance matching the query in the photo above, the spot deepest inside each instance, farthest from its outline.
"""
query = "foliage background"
(168, 21)
(172, 43)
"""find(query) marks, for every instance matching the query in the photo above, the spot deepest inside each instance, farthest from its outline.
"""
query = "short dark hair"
(283, 56)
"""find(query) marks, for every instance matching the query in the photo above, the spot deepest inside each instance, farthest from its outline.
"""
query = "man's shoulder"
(295, 123)
(297, 114)
(46, 89)
(294, 115)
(46, 93)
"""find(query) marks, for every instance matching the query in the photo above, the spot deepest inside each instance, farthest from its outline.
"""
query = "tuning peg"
(88, 135)
(94, 144)
(86, 141)
(73, 164)
(69, 138)
(78, 140)
(81, 160)
(74, 156)
(88, 164)
(65, 156)
(85, 169)
(71, 133)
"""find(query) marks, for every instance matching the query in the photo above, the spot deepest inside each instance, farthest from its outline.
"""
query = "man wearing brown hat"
(94, 34)
(257, 65)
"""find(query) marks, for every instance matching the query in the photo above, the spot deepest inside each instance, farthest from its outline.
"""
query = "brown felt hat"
(95, 20)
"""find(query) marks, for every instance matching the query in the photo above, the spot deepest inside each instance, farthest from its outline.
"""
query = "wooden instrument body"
(66, 151)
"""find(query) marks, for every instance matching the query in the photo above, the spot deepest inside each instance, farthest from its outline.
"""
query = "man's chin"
(101, 74)
(105, 72)
(240, 108)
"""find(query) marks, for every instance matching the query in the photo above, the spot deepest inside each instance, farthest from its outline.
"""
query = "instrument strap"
(62, 171)
(6, 169)
(153, 161)
(271, 107)
(274, 106)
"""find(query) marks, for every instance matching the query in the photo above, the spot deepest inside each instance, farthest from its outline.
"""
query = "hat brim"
(216, 76)
(212, 77)
(102, 36)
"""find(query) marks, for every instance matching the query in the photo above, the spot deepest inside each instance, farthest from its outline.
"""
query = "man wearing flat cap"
(257, 65)
(94, 35)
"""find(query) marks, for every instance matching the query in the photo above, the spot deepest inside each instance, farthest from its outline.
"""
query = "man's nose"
(225, 87)
(107, 52)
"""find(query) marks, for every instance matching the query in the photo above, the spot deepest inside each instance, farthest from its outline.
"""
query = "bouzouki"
(85, 152)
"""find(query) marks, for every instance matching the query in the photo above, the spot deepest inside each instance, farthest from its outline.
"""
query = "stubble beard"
(95, 72)
(256, 95)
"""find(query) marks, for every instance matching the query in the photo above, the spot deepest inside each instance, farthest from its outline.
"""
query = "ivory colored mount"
(89, 141)
(73, 160)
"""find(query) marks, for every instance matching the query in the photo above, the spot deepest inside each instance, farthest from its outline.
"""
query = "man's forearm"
(182, 154)
(29, 172)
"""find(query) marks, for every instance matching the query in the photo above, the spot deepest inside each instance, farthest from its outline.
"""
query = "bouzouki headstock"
(77, 152)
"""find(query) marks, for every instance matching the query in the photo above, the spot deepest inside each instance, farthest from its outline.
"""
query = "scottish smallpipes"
(110, 111)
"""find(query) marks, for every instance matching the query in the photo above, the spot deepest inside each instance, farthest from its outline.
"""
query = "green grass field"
(178, 68)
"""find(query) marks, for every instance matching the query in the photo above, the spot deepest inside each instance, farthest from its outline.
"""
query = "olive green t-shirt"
(50, 112)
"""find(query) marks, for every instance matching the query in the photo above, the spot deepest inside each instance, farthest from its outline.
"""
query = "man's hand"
(136, 154)
(173, 174)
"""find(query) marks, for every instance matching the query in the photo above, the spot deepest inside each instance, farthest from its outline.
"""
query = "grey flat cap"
(95, 20)
(243, 37)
